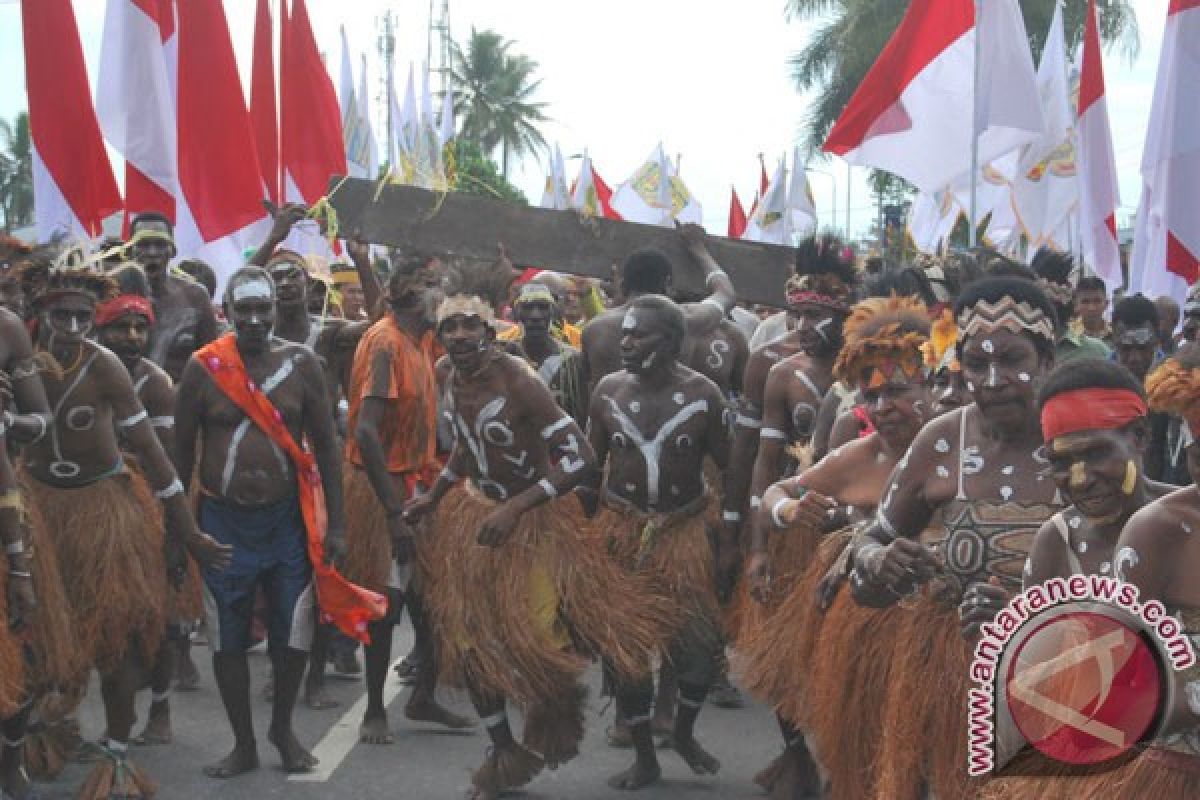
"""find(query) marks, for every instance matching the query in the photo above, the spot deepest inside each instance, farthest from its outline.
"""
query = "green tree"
(475, 173)
(494, 93)
(16, 172)
(850, 35)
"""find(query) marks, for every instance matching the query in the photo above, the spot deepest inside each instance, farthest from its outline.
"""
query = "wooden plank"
(468, 226)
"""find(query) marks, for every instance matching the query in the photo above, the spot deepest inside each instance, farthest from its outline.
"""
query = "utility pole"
(386, 46)
(437, 48)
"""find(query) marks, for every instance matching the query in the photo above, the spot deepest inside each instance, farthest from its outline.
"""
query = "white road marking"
(343, 735)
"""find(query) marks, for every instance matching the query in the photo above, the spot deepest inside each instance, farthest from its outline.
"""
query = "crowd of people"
(821, 503)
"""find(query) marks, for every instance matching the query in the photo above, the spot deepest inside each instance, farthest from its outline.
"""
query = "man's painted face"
(1136, 348)
(156, 249)
(645, 345)
(1002, 371)
(127, 336)
(897, 405)
(69, 318)
(535, 317)
(815, 328)
(1096, 470)
(251, 312)
(466, 338)
(1090, 305)
(291, 283)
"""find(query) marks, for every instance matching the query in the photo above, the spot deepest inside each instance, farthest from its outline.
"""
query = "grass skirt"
(368, 544)
(789, 553)
(516, 620)
(109, 543)
(925, 732)
(775, 657)
(1156, 772)
(848, 686)
(12, 661)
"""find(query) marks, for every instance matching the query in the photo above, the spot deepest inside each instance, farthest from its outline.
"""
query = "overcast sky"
(711, 83)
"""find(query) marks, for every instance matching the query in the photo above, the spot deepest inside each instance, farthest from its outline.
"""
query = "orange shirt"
(409, 426)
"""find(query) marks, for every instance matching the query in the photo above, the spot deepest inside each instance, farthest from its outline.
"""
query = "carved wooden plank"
(470, 227)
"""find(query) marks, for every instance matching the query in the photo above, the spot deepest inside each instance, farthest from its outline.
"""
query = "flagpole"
(973, 221)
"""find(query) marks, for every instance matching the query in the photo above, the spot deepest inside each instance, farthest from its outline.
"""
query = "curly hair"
(826, 254)
(883, 330)
(44, 278)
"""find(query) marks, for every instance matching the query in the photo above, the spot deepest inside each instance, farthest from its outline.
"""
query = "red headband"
(1090, 410)
(120, 306)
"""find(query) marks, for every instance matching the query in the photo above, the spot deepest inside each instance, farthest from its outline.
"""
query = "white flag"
(645, 198)
(802, 211)
(769, 222)
(555, 194)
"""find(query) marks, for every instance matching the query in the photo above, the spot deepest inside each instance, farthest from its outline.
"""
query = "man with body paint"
(882, 359)
(1158, 552)
(517, 585)
(653, 424)
(102, 520)
(183, 311)
(558, 364)
(1094, 419)
(982, 468)
(123, 325)
(246, 401)
(391, 455)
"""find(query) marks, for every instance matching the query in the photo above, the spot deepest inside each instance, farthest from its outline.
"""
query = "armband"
(775, 518)
(129, 422)
(747, 422)
(547, 487)
(162, 422)
(773, 433)
(172, 489)
(731, 516)
(15, 548)
(755, 503)
(715, 303)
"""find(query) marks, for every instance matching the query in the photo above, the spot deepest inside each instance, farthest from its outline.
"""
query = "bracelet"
(15, 548)
(547, 487)
(755, 503)
(731, 516)
(172, 489)
(773, 433)
(136, 419)
(19, 573)
(779, 523)
(44, 425)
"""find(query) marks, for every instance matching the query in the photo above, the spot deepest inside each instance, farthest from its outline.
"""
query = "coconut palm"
(850, 35)
(16, 172)
(494, 96)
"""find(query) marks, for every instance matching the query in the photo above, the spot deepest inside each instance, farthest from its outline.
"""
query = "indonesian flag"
(555, 194)
(737, 216)
(361, 154)
(1097, 166)
(73, 184)
(1166, 247)
(219, 206)
(655, 194)
(591, 194)
(135, 101)
(263, 115)
(310, 121)
(912, 113)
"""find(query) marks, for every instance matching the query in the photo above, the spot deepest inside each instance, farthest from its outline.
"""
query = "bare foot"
(158, 725)
(696, 757)
(639, 776)
(316, 698)
(239, 761)
(431, 711)
(375, 730)
(295, 758)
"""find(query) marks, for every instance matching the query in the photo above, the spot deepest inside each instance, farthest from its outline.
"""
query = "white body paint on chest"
(239, 433)
(651, 449)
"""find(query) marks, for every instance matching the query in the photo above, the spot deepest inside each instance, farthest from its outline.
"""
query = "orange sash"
(342, 603)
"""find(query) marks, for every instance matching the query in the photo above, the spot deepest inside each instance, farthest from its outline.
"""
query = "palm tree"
(852, 33)
(16, 172)
(494, 97)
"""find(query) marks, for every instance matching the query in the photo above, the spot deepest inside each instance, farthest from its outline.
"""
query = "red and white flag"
(263, 115)
(220, 211)
(135, 101)
(73, 184)
(1166, 247)
(912, 113)
(590, 194)
(310, 120)
(737, 216)
(1099, 198)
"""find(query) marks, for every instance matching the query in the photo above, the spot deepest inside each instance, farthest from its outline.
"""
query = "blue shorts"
(269, 551)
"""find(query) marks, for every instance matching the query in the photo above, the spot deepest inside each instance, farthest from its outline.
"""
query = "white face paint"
(822, 327)
(254, 289)
(992, 382)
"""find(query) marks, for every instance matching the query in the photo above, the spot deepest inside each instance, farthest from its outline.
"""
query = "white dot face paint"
(942, 446)
(254, 289)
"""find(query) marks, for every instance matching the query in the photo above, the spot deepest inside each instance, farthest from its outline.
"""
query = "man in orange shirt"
(391, 450)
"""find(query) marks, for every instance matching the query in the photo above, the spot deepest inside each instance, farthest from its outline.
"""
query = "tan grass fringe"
(108, 539)
(483, 601)
(847, 689)
(554, 727)
(53, 735)
(186, 604)
(12, 661)
(506, 768)
(368, 544)
(924, 733)
(113, 780)
(1033, 776)
(774, 659)
(58, 660)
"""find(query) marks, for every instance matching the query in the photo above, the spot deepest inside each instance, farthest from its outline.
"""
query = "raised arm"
(360, 255)
(283, 218)
(709, 312)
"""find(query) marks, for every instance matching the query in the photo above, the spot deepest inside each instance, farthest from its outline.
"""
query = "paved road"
(423, 763)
